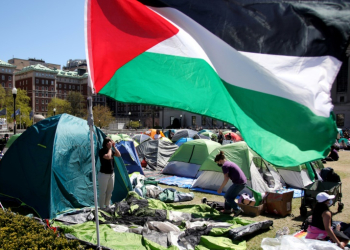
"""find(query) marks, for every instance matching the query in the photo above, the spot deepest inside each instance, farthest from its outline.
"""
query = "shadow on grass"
(17, 207)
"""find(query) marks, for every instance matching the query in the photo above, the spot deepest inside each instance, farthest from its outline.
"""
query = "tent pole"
(90, 121)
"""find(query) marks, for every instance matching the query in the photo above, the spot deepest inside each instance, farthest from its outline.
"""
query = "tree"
(75, 99)
(103, 116)
(62, 106)
(134, 124)
(22, 103)
(2, 97)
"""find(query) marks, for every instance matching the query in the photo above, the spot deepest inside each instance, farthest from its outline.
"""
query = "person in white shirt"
(157, 135)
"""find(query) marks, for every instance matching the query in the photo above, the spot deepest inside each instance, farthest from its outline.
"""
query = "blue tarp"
(183, 182)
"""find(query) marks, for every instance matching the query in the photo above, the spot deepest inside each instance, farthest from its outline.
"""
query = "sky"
(51, 30)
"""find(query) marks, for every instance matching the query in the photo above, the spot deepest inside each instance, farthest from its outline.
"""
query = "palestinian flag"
(267, 67)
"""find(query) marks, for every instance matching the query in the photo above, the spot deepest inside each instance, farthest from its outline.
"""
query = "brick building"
(6, 74)
(22, 63)
(43, 83)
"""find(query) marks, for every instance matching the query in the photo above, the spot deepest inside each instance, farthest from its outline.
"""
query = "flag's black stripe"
(293, 28)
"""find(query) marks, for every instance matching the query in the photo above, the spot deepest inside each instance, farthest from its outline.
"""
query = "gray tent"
(156, 153)
(185, 133)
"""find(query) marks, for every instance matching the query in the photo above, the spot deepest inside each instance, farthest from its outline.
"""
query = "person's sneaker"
(238, 211)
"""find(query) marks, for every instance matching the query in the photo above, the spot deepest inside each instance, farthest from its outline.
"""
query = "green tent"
(188, 158)
(49, 167)
(253, 166)
(12, 139)
(302, 175)
(238, 153)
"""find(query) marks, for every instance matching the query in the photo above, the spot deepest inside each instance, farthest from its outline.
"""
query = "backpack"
(328, 174)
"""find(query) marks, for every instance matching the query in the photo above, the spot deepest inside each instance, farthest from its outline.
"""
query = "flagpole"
(90, 121)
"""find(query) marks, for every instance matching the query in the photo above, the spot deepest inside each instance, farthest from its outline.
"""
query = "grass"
(294, 221)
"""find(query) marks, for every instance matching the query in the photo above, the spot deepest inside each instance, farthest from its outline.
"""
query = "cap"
(321, 197)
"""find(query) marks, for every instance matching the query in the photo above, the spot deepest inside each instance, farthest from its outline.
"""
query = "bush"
(21, 232)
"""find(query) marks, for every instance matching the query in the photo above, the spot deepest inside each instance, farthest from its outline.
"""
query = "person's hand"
(341, 245)
(113, 143)
(219, 191)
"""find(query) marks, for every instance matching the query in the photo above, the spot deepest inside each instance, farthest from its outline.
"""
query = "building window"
(64, 86)
(204, 121)
(37, 101)
(340, 120)
(77, 87)
(73, 87)
(37, 87)
(51, 88)
(193, 120)
(171, 120)
(42, 88)
(46, 101)
(46, 88)
(10, 78)
(10, 85)
(3, 85)
(36, 74)
(214, 122)
(60, 85)
(342, 78)
(45, 108)
(36, 93)
(342, 99)
(36, 108)
(36, 80)
(42, 101)
(47, 82)
(69, 87)
(42, 81)
(3, 77)
(46, 95)
(51, 82)
(42, 108)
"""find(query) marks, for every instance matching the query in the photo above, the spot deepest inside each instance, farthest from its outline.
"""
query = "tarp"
(130, 157)
(183, 140)
(151, 227)
(49, 166)
(185, 133)
(156, 152)
(187, 160)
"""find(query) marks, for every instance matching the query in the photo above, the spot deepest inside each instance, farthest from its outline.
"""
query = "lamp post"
(14, 93)
(139, 124)
(54, 111)
(180, 121)
(129, 120)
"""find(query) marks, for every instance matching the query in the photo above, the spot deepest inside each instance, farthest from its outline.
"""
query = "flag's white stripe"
(241, 71)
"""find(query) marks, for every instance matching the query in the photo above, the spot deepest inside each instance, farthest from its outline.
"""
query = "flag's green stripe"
(271, 125)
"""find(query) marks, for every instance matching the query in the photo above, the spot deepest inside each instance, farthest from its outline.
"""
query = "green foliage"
(2, 97)
(76, 100)
(134, 124)
(102, 116)
(20, 232)
(22, 102)
(62, 106)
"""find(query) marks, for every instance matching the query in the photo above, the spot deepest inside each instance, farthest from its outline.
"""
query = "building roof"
(71, 74)
(36, 67)
(8, 65)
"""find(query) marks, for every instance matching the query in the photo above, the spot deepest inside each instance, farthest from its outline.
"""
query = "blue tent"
(183, 140)
(49, 167)
(130, 157)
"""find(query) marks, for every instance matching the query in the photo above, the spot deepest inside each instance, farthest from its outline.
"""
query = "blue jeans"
(231, 195)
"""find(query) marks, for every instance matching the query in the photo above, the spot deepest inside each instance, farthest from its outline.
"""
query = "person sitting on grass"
(333, 155)
(233, 172)
(321, 224)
